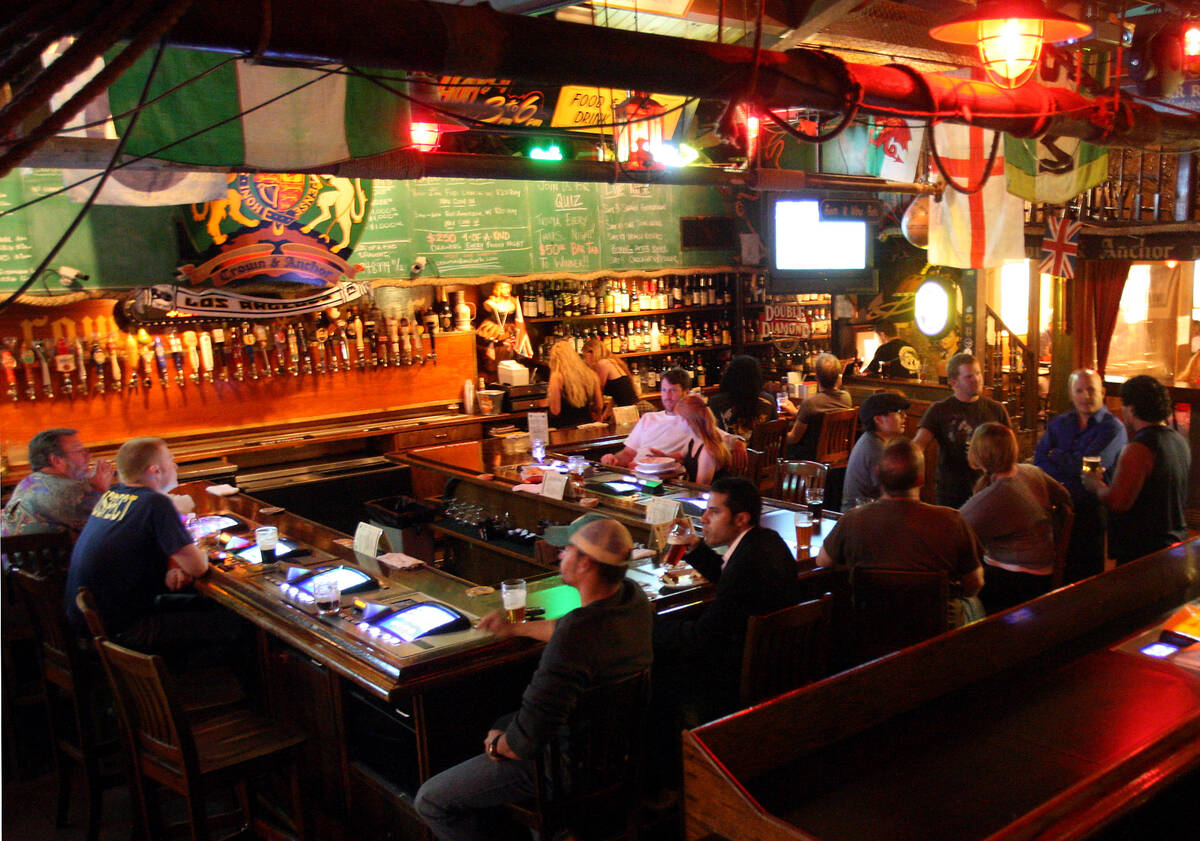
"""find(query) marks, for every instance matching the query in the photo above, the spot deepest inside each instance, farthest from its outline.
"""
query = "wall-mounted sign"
(858, 210)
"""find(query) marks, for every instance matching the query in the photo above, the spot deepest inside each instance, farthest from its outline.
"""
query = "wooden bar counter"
(1044, 721)
(379, 722)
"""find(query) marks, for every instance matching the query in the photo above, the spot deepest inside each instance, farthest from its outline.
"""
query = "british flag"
(1060, 245)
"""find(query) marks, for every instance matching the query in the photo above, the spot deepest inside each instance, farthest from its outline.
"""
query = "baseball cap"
(599, 537)
(881, 404)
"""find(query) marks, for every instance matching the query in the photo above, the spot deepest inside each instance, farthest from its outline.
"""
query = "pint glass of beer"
(679, 541)
(804, 532)
(1091, 464)
(512, 596)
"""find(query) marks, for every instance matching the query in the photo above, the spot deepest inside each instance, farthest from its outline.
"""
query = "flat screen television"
(808, 254)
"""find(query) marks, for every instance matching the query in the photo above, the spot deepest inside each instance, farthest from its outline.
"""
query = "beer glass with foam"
(804, 532)
(512, 597)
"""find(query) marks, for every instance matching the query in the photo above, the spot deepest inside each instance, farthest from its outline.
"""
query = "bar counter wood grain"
(1028, 725)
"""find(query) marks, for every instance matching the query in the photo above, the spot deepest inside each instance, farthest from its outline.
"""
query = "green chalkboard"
(469, 227)
(464, 227)
(119, 247)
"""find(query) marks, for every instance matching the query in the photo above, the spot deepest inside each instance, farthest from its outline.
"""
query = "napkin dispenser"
(511, 372)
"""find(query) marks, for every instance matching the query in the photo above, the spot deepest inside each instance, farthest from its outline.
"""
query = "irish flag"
(239, 113)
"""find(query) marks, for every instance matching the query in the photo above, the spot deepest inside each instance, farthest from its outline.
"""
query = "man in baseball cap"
(605, 639)
(881, 417)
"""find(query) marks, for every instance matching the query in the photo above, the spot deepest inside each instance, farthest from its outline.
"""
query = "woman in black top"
(707, 457)
(1149, 490)
(615, 379)
(739, 404)
(574, 392)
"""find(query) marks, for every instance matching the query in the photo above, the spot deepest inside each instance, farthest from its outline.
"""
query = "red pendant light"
(1010, 34)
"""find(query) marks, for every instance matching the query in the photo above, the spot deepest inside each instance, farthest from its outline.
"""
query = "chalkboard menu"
(469, 227)
(464, 227)
(119, 247)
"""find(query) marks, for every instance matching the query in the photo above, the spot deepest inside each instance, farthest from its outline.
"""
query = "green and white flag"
(321, 116)
(1049, 168)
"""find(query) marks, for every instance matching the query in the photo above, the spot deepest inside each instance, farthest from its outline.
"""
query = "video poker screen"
(424, 618)
(348, 578)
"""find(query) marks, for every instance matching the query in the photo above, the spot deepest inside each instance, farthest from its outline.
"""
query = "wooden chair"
(598, 781)
(165, 748)
(1064, 521)
(768, 437)
(75, 698)
(40, 552)
(893, 609)
(755, 467)
(786, 649)
(795, 477)
(22, 687)
(837, 437)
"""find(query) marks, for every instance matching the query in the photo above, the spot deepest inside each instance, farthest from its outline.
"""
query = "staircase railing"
(1010, 367)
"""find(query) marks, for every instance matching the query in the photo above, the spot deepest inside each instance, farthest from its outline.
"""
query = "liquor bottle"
(655, 337)
(689, 335)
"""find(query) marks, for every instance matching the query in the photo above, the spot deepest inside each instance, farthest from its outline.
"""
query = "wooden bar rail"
(1027, 724)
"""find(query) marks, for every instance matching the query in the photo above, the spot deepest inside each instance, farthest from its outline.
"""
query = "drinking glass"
(266, 537)
(815, 497)
(512, 597)
(537, 447)
(328, 596)
(804, 533)
(1091, 464)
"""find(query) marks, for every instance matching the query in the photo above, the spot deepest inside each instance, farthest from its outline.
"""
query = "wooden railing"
(1010, 368)
(1143, 188)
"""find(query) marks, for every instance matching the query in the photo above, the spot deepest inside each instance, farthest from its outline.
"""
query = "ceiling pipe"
(407, 164)
(440, 38)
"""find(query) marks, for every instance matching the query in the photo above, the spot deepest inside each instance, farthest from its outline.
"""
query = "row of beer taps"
(108, 360)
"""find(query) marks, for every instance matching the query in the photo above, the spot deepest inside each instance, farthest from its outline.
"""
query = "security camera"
(69, 275)
(418, 266)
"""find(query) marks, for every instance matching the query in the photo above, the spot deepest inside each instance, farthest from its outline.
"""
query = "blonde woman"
(1012, 512)
(615, 380)
(574, 391)
(706, 457)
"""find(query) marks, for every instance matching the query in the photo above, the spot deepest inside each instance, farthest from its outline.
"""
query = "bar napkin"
(221, 490)
(400, 561)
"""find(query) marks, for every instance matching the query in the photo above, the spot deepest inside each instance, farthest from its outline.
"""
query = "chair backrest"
(754, 466)
(41, 552)
(768, 437)
(896, 608)
(797, 476)
(1063, 517)
(607, 735)
(62, 662)
(837, 437)
(154, 722)
(786, 649)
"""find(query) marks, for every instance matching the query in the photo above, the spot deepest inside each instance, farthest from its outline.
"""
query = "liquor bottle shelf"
(629, 314)
(670, 350)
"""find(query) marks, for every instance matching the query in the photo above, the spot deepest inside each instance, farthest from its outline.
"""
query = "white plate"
(657, 464)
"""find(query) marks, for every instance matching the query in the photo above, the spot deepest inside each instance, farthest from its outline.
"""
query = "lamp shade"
(1009, 35)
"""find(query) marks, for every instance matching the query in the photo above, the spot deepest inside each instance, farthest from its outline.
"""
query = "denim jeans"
(459, 803)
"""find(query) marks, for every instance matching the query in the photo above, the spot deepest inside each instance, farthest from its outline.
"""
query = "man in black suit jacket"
(698, 660)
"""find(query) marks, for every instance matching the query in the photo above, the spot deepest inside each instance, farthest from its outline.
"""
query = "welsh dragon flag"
(886, 147)
(1049, 168)
(317, 116)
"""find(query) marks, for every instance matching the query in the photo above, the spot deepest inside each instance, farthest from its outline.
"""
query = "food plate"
(655, 464)
(681, 578)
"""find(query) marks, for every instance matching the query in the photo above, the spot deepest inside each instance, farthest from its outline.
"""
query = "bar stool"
(75, 697)
(166, 748)
(795, 477)
(597, 780)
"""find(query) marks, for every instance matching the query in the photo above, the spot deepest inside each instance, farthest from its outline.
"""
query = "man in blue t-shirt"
(134, 549)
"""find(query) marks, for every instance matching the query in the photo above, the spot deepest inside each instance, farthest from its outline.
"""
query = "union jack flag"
(1060, 245)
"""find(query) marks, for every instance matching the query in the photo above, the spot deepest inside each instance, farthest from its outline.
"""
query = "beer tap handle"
(306, 363)
(418, 344)
(9, 363)
(132, 357)
(100, 360)
(221, 351)
(262, 338)
(233, 348)
(177, 357)
(81, 366)
(431, 326)
(64, 363)
(293, 351)
(247, 335)
(192, 342)
(44, 362)
(369, 342)
(206, 356)
(281, 349)
(356, 326)
(160, 361)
